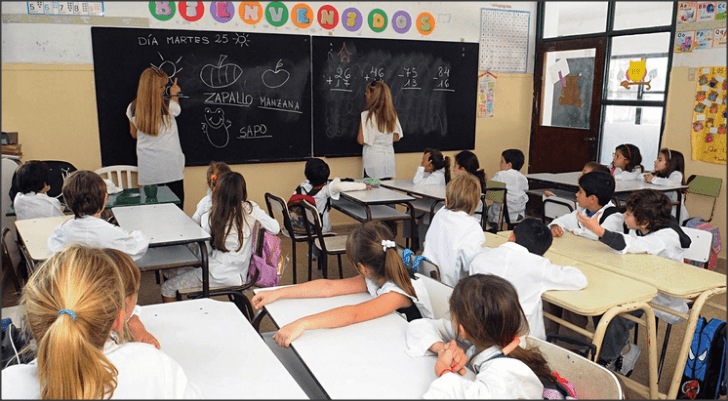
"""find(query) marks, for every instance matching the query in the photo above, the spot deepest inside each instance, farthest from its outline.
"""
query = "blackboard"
(434, 88)
(258, 84)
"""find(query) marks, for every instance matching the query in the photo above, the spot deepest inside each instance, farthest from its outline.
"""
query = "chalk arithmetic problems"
(245, 96)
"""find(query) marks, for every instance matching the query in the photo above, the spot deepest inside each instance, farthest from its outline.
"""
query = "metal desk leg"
(205, 270)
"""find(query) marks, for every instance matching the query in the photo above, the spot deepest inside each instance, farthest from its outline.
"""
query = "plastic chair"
(496, 193)
(439, 294)
(276, 205)
(554, 208)
(590, 380)
(327, 244)
(9, 268)
(429, 269)
(119, 172)
(707, 186)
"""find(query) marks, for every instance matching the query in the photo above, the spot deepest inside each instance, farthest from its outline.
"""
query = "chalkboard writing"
(433, 85)
(246, 97)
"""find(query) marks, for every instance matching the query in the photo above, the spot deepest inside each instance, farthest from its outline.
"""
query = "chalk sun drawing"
(275, 78)
(216, 127)
(170, 68)
(241, 39)
(220, 75)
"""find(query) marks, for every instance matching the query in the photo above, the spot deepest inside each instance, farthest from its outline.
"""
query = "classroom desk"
(224, 356)
(670, 277)
(169, 230)
(607, 293)
(372, 204)
(127, 197)
(428, 193)
(365, 360)
(33, 237)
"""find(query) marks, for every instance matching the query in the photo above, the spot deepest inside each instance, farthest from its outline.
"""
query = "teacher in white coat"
(379, 128)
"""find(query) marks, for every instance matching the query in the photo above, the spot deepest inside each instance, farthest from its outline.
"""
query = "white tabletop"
(219, 350)
(571, 179)
(35, 233)
(436, 192)
(365, 360)
(163, 224)
(379, 195)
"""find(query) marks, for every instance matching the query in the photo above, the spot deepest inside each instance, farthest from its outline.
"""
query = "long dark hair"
(675, 162)
(487, 307)
(229, 202)
(631, 153)
(469, 161)
(439, 161)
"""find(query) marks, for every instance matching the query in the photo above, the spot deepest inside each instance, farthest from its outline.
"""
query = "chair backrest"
(8, 267)
(700, 245)
(554, 207)
(590, 380)
(313, 219)
(120, 174)
(439, 294)
(707, 186)
(59, 171)
(429, 269)
(496, 192)
(277, 205)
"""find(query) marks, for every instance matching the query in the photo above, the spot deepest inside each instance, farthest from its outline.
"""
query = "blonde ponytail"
(71, 303)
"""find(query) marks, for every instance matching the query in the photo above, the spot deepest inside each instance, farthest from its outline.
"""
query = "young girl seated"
(31, 201)
(214, 172)
(230, 223)
(487, 320)
(467, 162)
(372, 251)
(454, 237)
(627, 163)
(434, 170)
(670, 170)
(131, 277)
(74, 307)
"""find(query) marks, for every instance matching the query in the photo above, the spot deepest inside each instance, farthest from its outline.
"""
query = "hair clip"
(213, 177)
(629, 152)
(669, 155)
(388, 244)
(511, 346)
(67, 312)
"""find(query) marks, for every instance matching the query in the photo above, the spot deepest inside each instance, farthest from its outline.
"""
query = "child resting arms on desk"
(382, 274)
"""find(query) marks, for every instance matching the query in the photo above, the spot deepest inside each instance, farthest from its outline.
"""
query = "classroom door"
(568, 90)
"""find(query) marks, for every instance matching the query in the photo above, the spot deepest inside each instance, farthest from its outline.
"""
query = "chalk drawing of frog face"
(215, 118)
(216, 127)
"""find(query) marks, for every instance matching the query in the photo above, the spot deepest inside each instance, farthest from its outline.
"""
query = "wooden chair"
(327, 244)
(590, 380)
(9, 269)
(706, 186)
(277, 205)
(120, 174)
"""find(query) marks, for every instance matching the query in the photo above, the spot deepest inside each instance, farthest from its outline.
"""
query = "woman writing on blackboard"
(379, 128)
(152, 123)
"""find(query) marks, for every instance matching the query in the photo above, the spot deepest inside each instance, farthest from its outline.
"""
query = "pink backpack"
(266, 258)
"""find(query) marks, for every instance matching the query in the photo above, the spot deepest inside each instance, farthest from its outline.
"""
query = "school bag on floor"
(704, 375)
(295, 210)
(266, 258)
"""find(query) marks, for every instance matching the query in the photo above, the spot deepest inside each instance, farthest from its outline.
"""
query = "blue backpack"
(704, 375)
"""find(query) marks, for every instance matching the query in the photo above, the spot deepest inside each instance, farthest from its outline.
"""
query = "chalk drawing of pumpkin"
(220, 75)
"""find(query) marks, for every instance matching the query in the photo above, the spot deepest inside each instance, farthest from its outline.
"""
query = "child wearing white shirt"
(521, 261)
(85, 194)
(516, 184)
(627, 163)
(214, 172)
(487, 322)
(670, 170)
(434, 170)
(31, 201)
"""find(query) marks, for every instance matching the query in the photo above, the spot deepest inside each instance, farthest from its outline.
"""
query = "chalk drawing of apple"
(220, 75)
(275, 78)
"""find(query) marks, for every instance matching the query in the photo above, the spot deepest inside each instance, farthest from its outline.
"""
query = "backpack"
(704, 375)
(266, 258)
(296, 211)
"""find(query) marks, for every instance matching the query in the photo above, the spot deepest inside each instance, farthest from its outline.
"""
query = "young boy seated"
(317, 185)
(594, 196)
(85, 194)
(516, 184)
(653, 230)
(31, 201)
(521, 261)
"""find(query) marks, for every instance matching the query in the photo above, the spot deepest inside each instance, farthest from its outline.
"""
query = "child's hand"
(369, 186)
(425, 160)
(548, 193)
(445, 362)
(264, 298)
(174, 89)
(140, 333)
(459, 358)
(649, 177)
(591, 223)
(288, 333)
(557, 231)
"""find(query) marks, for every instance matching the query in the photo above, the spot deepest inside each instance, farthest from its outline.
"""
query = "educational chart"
(245, 96)
(433, 84)
(708, 134)
(504, 40)
(700, 26)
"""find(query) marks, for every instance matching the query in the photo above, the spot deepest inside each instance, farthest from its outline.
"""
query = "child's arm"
(651, 244)
(342, 316)
(674, 179)
(558, 277)
(321, 288)
(140, 333)
(360, 136)
(270, 224)
(419, 176)
(567, 222)
(132, 129)
(425, 335)
(337, 186)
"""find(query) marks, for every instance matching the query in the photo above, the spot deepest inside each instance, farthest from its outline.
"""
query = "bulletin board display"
(708, 133)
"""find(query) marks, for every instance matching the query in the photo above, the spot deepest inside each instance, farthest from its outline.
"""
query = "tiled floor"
(149, 293)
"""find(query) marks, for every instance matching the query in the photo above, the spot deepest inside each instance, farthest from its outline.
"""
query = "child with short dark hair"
(652, 230)
(594, 196)
(31, 201)
(521, 261)
(317, 185)
(85, 194)
(588, 168)
(626, 163)
(516, 184)
(670, 170)
(455, 237)
(214, 172)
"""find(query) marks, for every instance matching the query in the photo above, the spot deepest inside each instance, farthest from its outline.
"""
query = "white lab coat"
(531, 275)
(203, 206)
(569, 222)
(422, 300)
(452, 241)
(331, 190)
(378, 152)
(674, 179)
(95, 232)
(36, 206)
(144, 373)
(517, 185)
(436, 177)
(500, 378)
(621, 175)
(160, 158)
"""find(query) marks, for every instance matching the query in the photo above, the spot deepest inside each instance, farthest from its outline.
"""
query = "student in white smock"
(378, 130)
(31, 201)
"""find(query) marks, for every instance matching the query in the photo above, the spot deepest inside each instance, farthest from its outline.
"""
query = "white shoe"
(624, 364)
